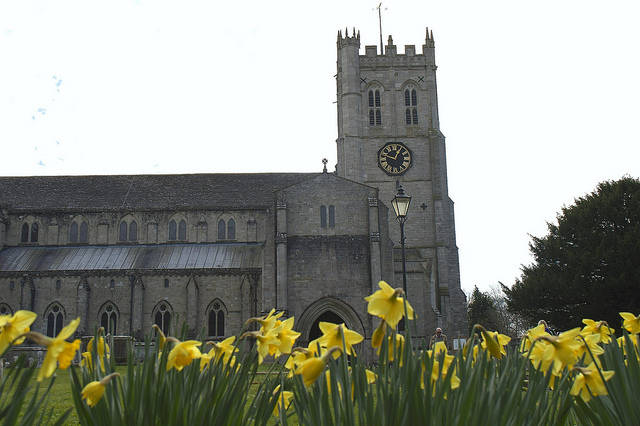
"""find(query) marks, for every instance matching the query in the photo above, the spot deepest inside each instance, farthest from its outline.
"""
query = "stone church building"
(211, 250)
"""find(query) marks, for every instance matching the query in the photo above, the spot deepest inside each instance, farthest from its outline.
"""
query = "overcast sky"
(539, 100)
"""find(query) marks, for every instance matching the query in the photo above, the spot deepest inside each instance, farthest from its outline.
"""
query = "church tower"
(389, 135)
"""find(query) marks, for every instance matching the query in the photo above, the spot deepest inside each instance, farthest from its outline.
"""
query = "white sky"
(539, 100)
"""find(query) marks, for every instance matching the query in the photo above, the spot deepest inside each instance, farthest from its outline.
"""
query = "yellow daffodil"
(438, 348)
(333, 335)
(378, 334)
(263, 342)
(182, 354)
(371, 376)
(600, 328)
(531, 336)
(104, 353)
(285, 336)
(561, 351)
(623, 343)
(224, 349)
(441, 372)
(631, 322)
(312, 368)
(494, 343)
(59, 351)
(284, 400)
(298, 356)
(221, 350)
(87, 361)
(588, 382)
(13, 326)
(388, 304)
(394, 345)
(93, 392)
(267, 322)
(440, 367)
(537, 355)
(590, 348)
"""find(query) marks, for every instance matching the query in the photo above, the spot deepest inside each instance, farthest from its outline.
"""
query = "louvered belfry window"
(375, 107)
(411, 106)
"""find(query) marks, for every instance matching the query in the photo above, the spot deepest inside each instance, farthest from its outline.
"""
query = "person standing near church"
(438, 337)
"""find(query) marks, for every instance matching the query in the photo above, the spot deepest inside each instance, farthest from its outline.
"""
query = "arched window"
(54, 318)
(172, 230)
(34, 232)
(24, 236)
(411, 104)
(128, 230)
(29, 231)
(5, 309)
(162, 317)
(84, 232)
(109, 318)
(133, 231)
(122, 234)
(231, 229)
(216, 319)
(323, 216)
(73, 232)
(332, 216)
(375, 105)
(182, 230)
(222, 228)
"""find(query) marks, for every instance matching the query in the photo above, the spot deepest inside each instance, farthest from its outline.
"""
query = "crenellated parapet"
(391, 57)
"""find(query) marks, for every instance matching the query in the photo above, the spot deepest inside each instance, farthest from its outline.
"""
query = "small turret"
(354, 40)
(391, 48)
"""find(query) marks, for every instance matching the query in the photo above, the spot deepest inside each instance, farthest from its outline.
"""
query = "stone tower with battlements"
(389, 134)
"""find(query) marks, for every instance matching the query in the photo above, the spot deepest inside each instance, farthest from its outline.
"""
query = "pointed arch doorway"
(327, 309)
(327, 316)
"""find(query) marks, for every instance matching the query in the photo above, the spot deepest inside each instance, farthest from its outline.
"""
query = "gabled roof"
(327, 176)
(144, 192)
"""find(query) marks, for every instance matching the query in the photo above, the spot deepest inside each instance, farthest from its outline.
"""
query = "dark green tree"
(588, 265)
(481, 310)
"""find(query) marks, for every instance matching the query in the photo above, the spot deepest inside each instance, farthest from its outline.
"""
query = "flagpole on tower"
(380, 23)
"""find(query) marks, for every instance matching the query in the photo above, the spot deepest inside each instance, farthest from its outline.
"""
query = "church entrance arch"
(327, 309)
(327, 316)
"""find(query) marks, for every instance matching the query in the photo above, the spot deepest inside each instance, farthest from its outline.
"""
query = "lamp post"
(400, 205)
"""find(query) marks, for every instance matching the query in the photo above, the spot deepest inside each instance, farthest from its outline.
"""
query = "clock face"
(394, 158)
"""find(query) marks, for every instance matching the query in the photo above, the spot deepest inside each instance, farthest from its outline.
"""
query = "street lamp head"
(400, 204)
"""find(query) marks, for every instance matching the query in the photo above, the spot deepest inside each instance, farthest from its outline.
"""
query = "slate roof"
(144, 192)
(135, 257)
